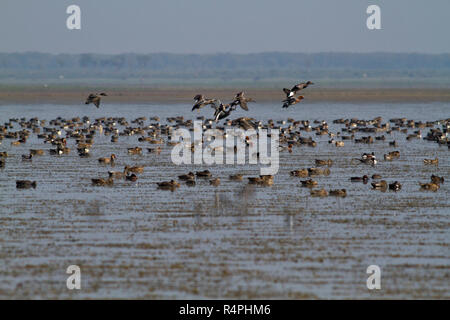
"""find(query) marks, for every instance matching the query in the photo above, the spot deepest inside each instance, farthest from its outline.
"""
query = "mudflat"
(73, 95)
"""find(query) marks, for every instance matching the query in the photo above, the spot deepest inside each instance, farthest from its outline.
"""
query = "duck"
(392, 155)
(26, 157)
(215, 182)
(95, 98)
(364, 179)
(241, 100)
(36, 152)
(291, 101)
(381, 185)
(186, 177)
(319, 193)
(25, 184)
(236, 177)
(300, 86)
(308, 183)
(117, 174)
(318, 172)
(190, 182)
(338, 193)
(201, 101)
(437, 179)
(172, 184)
(431, 186)
(83, 152)
(154, 150)
(131, 177)
(2, 163)
(328, 162)
(431, 161)
(107, 160)
(203, 174)
(57, 151)
(102, 182)
(135, 169)
(376, 176)
(395, 186)
(300, 173)
(135, 150)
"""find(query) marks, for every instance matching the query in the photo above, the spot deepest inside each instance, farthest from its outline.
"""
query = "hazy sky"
(238, 26)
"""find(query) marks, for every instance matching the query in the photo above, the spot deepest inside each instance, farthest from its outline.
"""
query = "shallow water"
(133, 240)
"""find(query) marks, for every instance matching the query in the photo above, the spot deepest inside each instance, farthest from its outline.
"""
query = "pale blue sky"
(238, 26)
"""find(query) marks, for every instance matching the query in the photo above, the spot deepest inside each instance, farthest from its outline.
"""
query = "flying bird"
(95, 99)
(300, 86)
(201, 101)
(241, 100)
(222, 110)
(291, 101)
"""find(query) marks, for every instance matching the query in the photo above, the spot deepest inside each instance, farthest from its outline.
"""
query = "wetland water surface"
(133, 240)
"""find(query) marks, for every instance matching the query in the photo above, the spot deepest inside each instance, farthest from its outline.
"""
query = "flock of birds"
(83, 132)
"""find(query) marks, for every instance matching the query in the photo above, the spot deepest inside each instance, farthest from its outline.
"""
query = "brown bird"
(107, 160)
(102, 182)
(25, 184)
(241, 100)
(201, 101)
(95, 99)
(291, 101)
(297, 87)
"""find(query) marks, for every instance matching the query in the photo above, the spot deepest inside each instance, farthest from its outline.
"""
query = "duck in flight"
(201, 101)
(241, 100)
(223, 110)
(95, 98)
(300, 86)
(291, 101)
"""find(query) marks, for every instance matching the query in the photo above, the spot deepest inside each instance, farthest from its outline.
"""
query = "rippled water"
(133, 240)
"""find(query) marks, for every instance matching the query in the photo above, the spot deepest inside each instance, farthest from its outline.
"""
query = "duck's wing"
(243, 104)
(96, 101)
(198, 97)
(287, 92)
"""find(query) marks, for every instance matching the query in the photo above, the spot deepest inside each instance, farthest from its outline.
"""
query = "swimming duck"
(107, 160)
(395, 186)
(203, 174)
(188, 176)
(308, 183)
(437, 179)
(36, 152)
(431, 186)
(27, 157)
(135, 169)
(102, 182)
(381, 185)
(171, 185)
(376, 176)
(154, 150)
(131, 177)
(214, 182)
(25, 184)
(135, 150)
(95, 99)
(300, 173)
(319, 193)
(328, 162)
(338, 193)
(431, 161)
(364, 179)
(236, 177)
(2, 163)
(190, 182)
(118, 174)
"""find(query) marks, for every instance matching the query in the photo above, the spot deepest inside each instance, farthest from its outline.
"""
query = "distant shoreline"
(123, 95)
